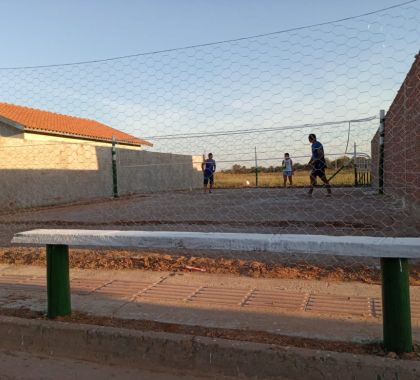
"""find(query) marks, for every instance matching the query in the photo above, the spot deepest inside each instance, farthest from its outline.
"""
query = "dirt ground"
(291, 268)
(350, 211)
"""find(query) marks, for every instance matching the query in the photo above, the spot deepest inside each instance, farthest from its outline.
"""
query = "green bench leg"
(58, 281)
(396, 305)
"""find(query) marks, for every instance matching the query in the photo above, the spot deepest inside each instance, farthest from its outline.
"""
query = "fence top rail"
(362, 246)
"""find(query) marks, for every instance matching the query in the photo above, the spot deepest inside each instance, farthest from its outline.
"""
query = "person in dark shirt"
(209, 167)
(317, 164)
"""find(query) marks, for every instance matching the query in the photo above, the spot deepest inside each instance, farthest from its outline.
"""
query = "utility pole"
(356, 182)
(256, 167)
(381, 150)
(114, 169)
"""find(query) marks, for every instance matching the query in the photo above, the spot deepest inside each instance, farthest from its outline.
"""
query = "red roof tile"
(62, 125)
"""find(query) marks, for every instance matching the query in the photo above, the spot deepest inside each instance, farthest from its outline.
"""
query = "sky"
(60, 31)
(228, 98)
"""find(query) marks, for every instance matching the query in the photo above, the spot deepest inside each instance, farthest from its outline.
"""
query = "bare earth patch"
(157, 261)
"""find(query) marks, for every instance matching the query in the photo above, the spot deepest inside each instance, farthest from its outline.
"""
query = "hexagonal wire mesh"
(248, 101)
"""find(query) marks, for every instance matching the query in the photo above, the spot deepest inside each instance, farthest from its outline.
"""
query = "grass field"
(300, 178)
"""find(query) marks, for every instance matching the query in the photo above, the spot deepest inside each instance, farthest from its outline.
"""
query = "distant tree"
(241, 169)
(236, 168)
(341, 161)
(298, 166)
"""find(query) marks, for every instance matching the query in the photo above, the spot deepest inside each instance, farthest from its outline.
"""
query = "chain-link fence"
(248, 102)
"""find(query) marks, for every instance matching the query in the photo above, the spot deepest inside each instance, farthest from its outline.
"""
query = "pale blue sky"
(344, 70)
(58, 31)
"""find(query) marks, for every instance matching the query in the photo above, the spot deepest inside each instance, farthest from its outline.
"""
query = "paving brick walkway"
(349, 311)
(278, 300)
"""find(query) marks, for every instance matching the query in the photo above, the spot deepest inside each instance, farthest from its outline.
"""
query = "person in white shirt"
(287, 169)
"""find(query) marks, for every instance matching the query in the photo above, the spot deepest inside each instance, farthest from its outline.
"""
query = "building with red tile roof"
(38, 122)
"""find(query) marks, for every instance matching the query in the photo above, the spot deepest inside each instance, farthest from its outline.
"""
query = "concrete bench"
(392, 252)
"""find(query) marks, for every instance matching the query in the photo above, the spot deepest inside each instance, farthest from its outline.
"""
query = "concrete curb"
(151, 350)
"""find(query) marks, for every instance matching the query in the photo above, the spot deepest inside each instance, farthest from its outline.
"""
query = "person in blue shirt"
(317, 165)
(209, 167)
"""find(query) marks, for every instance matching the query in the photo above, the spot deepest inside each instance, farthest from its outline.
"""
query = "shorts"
(208, 177)
(318, 172)
(287, 173)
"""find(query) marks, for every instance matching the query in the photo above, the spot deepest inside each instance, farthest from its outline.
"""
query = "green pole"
(396, 305)
(114, 169)
(356, 182)
(256, 168)
(58, 281)
(381, 151)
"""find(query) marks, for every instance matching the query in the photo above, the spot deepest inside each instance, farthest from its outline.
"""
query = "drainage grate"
(334, 304)
(221, 296)
(168, 292)
(24, 283)
(82, 286)
(279, 299)
(13, 279)
(122, 289)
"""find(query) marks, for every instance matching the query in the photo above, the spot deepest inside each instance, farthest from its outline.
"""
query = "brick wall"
(402, 142)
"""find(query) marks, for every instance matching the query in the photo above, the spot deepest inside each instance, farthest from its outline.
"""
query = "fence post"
(356, 182)
(396, 313)
(114, 169)
(256, 167)
(58, 281)
(381, 150)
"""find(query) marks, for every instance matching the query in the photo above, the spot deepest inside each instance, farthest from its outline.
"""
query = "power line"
(263, 159)
(255, 130)
(339, 155)
(214, 43)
